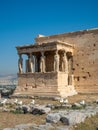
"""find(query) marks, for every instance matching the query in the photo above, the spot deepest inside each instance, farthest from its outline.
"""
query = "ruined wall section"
(86, 62)
(85, 57)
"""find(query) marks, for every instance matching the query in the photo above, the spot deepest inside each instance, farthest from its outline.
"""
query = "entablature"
(50, 46)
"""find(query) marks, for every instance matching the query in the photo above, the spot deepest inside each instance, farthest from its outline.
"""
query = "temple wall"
(63, 87)
(37, 84)
(62, 79)
(85, 64)
(85, 57)
(49, 62)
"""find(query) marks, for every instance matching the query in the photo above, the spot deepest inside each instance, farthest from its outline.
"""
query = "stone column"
(20, 64)
(56, 62)
(64, 63)
(42, 63)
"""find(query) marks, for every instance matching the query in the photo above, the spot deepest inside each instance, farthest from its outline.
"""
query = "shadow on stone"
(64, 120)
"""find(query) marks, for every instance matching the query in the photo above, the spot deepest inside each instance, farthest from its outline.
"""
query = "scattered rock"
(11, 129)
(32, 97)
(58, 106)
(75, 117)
(56, 98)
(46, 110)
(64, 128)
(5, 110)
(50, 106)
(36, 111)
(77, 106)
(47, 126)
(97, 128)
(41, 109)
(23, 126)
(64, 120)
(68, 117)
(26, 109)
(97, 101)
(53, 118)
(3, 101)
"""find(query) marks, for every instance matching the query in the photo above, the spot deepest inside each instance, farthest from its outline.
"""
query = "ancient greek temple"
(57, 65)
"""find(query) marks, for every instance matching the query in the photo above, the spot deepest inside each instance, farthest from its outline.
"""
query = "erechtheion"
(59, 65)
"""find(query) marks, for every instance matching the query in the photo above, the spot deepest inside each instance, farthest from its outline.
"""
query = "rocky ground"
(47, 114)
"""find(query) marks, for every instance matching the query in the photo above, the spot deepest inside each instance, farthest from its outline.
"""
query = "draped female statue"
(56, 62)
(64, 63)
(20, 64)
(30, 60)
(42, 63)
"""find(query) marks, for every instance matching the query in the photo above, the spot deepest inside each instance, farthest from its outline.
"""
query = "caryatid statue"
(30, 61)
(56, 62)
(64, 63)
(20, 64)
(42, 63)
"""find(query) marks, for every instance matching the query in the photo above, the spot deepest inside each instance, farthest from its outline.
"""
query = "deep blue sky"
(22, 20)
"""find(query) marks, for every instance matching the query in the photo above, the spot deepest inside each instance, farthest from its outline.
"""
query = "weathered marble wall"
(85, 57)
(38, 84)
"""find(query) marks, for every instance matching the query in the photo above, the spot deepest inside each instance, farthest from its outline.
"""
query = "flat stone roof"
(44, 44)
(92, 30)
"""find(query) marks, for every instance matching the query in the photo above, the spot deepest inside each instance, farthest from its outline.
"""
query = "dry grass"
(11, 119)
(89, 124)
(87, 97)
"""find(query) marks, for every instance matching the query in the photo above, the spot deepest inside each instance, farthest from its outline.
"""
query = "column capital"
(42, 53)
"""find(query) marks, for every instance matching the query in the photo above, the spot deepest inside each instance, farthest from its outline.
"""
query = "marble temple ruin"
(59, 65)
